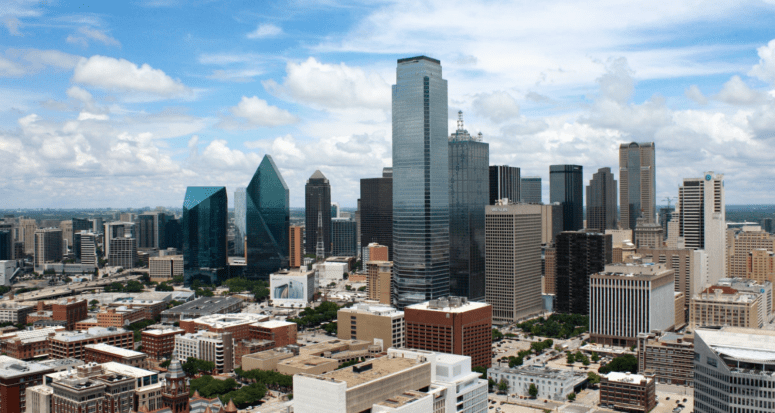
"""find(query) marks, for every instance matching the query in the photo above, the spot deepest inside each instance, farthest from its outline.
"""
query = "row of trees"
(228, 389)
(556, 326)
(131, 286)
(313, 317)
(259, 289)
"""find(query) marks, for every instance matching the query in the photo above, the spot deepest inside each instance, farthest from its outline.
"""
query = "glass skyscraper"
(637, 180)
(566, 186)
(504, 183)
(377, 211)
(239, 221)
(469, 160)
(601, 201)
(530, 190)
(344, 237)
(420, 182)
(317, 207)
(267, 219)
(205, 224)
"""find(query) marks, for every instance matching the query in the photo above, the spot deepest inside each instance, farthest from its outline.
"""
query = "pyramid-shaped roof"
(197, 194)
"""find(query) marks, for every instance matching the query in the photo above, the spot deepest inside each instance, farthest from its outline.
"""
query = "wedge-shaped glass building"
(205, 224)
(267, 216)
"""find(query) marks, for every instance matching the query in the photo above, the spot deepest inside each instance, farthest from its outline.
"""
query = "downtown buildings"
(268, 217)
(205, 222)
(566, 186)
(637, 183)
(701, 213)
(317, 210)
(377, 212)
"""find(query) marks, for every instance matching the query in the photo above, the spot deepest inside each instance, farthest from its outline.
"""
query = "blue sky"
(126, 104)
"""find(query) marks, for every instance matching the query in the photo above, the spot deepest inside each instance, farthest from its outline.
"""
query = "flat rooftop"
(271, 354)
(541, 372)
(627, 377)
(380, 367)
(107, 348)
(204, 305)
(127, 370)
(402, 399)
(273, 323)
(374, 309)
(92, 332)
(229, 320)
(471, 305)
(161, 331)
(745, 344)
(332, 345)
(11, 367)
(29, 336)
(305, 362)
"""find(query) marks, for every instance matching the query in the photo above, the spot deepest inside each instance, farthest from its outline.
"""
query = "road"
(69, 289)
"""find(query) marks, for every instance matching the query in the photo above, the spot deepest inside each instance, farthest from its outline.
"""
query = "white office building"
(551, 383)
(702, 215)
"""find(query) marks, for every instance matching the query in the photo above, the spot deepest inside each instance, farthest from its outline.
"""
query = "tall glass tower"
(267, 218)
(317, 210)
(566, 186)
(240, 209)
(420, 182)
(637, 180)
(601, 201)
(469, 160)
(205, 224)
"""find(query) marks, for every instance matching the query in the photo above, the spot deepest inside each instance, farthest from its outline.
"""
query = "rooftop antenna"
(460, 120)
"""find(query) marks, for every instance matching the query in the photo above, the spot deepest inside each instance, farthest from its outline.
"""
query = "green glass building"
(205, 224)
(267, 216)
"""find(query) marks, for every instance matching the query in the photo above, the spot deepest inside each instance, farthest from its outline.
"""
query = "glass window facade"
(530, 191)
(637, 183)
(344, 237)
(317, 207)
(267, 220)
(420, 182)
(377, 212)
(601, 201)
(240, 224)
(578, 255)
(566, 186)
(468, 192)
(205, 223)
(504, 183)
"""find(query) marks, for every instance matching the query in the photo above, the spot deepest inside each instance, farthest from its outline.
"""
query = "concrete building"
(551, 222)
(648, 234)
(550, 270)
(27, 228)
(38, 399)
(402, 381)
(204, 345)
(378, 281)
(164, 269)
(48, 246)
(628, 299)
(160, 343)
(741, 243)
(201, 307)
(28, 344)
(15, 377)
(732, 302)
(11, 312)
(281, 333)
(637, 183)
(690, 268)
(103, 353)
(628, 392)
(292, 288)
(123, 252)
(369, 322)
(761, 266)
(72, 344)
(702, 215)
(438, 325)
(601, 201)
(295, 246)
(553, 384)
(668, 356)
(513, 261)
(236, 323)
(376, 252)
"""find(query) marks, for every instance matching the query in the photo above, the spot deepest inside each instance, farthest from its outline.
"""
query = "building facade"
(317, 207)
(268, 221)
(344, 237)
(601, 201)
(724, 305)
(740, 245)
(504, 182)
(668, 356)
(204, 345)
(123, 252)
(48, 246)
(163, 269)
(513, 268)
(369, 322)
(628, 392)
(579, 254)
(566, 186)
(240, 221)
(160, 343)
(553, 384)
(702, 217)
(15, 377)
(72, 344)
(205, 224)
(530, 191)
(295, 246)
(376, 211)
(420, 182)
(378, 281)
(637, 183)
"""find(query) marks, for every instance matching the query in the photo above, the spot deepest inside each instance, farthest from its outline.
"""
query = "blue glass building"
(566, 186)
(420, 182)
(205, 224)
(267, 217)
(240, 223)
(344, 237)
(469, 179)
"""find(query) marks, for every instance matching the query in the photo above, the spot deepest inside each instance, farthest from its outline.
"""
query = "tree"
(623, 363)
(164, 287)
(595, 357)
(593, 378)
(164, 364)
(496, 335)
(93, 302)
(570, 358)
(331, 328)
(533, 390)
(348, 287)
(503, 386)
(178, 279)
(362, 288)
(193, 366)
(572, 396)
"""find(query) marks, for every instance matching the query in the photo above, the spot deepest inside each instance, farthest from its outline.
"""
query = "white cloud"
(239, 76)
(119, 74)
(92, 116)
(736, 92)
(765, 69)
(264, 30)
(10, 69)
(22, 62)
(87, 34)
(328, 86)
(12, 24)
(694, 93)
(498, 106)
(257, 112)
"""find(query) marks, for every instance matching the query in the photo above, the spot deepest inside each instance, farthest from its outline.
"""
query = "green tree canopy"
(192, 366)
(623, 363)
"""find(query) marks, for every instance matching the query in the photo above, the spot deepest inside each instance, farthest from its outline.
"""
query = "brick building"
(282, 333)
(71, 344)
(120, 316)
(378, 279)
(69, 310)
(245, 347)
(26, 345)
(669, 356)
(15, 377)
(104, 353)
(237, 324)
(451, 325)
(628, 392)
(158, 343)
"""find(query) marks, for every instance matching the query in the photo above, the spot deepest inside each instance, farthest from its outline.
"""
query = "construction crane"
(669, 200)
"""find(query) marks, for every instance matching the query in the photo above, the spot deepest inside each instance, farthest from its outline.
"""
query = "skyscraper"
(317, 206)
(150, 230)
(601, 201)
(504, 183)
(377, 211)
(702, 222)
(205, 223)
(48, 245)
(637, 183)
(579, 254)
(530, 190)
(469, 159)
(566, 186)
(344, 237)
(420, 182)
(240, 223)
(267, 217)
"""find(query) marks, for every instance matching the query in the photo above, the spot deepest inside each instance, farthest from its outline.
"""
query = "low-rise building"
(245, 347)
(204, 345)
(283, 333)
(554, 384)
(306, 364)
(292, 288)
(103, 353)
(38, 399)
(628, 392)
(120, 316)
(201, 307)
(668, 356)
(15, 377)
(71, 344)
(11, 312)
(235, 323)
(160, 343)
(69, 310)
(370, 322)
(163, 269)
(723, 305)
(28, 344)
(267, 360)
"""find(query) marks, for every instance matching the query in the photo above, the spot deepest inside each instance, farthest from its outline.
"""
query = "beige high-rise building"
(648, 234)
(27, 234)
(368, 322)
(761, 266)
(513, 261)
(637, 182)
(744, 241)
(295, 251)
(163, 269)
(551, 222)
(378, 279)
(550, 269)
(702, 214)
(67, 231)
(48, 245)
(726, 305)
(690, 267)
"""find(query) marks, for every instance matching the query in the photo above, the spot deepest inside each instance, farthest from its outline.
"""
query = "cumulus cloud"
(12, 24)
(498, 106)
(617, 83)
(694, 93)
(10, 69)
(736, 92)
(22, 62)
(86, 34)
(255, 112)
(329, 86)
(765, 69)
(119, 74)
(264, 30)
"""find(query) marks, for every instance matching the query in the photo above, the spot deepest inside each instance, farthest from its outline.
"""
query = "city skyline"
(95, 116)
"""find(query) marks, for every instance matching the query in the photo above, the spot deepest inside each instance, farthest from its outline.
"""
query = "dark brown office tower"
(377, 211)
(317, 206)
(579, 254)
(601, 201)
(504, 183)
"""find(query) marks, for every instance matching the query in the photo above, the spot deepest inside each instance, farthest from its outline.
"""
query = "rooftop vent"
(361, 369)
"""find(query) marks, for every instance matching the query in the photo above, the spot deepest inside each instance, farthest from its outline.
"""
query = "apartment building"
(740, 243)
(15, 377)
(28, 344)
(282, 333)
(379, 276)
(238, 324)
(208, 346)
(628, 392)
(160, 343)
(103, 353)
(370, 322)
(668, 356)
(72, 344)
(761, 266)
(733, 303)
